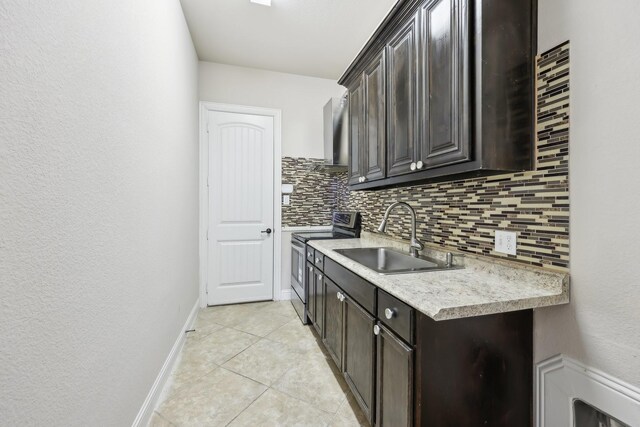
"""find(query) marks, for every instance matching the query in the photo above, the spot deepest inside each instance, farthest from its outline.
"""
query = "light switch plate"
(286, 200)
(506, 242)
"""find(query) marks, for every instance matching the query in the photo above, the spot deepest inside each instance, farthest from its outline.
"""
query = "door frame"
(205, 108)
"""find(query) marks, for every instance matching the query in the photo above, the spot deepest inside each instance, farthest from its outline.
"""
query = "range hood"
(336, 135)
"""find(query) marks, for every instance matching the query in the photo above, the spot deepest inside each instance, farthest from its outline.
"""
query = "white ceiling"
(310, 37)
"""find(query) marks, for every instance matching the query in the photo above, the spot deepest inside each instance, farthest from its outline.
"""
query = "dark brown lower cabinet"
(311, 292)
(475, 371)
(359, 355)
(394, 388)
(318, 284)
(333, 321)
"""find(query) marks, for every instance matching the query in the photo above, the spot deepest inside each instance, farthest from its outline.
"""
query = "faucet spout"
(416, 245)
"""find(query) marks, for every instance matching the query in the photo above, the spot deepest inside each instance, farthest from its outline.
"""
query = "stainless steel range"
(345, 225)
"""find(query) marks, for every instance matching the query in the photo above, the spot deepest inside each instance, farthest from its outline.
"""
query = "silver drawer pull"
(319, 276)
(376, 330)
(390, 313)
(413, 166)
(419, 165)
(317, 260)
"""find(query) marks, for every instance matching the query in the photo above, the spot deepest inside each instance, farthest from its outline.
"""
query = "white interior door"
(241, 252)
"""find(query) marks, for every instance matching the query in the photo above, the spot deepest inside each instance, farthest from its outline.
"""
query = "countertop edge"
(464, 311)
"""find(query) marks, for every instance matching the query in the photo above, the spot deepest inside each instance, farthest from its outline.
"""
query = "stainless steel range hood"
(336, 135)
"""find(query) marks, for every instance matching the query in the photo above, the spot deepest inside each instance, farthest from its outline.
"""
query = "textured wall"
(314, 192)
(465, 214)
(98, 205)
(601, 325)
(300, 98)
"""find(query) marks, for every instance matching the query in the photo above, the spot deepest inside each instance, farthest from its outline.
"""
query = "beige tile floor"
(255, 365)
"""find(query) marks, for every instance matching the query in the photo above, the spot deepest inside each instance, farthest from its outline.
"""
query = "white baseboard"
(142, 419)
(560, 380)
(285, 294)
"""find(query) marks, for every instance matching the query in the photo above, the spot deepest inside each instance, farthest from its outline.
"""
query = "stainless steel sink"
(392, 261)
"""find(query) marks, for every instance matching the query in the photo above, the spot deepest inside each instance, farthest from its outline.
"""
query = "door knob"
(267, 231)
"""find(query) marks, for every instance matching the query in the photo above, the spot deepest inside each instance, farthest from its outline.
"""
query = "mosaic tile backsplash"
(465, 214)
(314, 193)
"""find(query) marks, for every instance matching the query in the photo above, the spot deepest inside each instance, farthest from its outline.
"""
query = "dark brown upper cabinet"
(402, 93)
(459, 92)
(444, 86)
(367, 109)
(375, 120)
(356, 132)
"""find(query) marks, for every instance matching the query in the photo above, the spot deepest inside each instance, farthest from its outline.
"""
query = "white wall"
(601, 326)
(300, 98)
(98, 205)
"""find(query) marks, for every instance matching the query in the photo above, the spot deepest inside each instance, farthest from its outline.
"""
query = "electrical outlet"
(506, 242)
(286, 200)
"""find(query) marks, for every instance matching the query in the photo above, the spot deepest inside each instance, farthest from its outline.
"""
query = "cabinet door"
(359, 355)
(311, 292)
(402, 99)
(444, 69)
(356, 131)
(333, 321)
(375, 119)
(394, 393)
(319, 301)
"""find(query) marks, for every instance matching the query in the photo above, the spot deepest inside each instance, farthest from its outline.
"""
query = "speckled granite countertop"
(483, 286)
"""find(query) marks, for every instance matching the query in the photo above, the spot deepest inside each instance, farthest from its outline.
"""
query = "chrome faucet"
(416, 245)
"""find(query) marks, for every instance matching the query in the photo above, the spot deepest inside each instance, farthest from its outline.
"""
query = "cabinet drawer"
(319, 260)
(310, 254)
(401, 315)
(363, 292)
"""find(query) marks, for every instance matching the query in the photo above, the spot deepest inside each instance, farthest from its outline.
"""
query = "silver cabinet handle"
(376, 330)
(319, 276)
(413, 166)
(338, 296)
(317, 260)
(309, 254)
(419, 165)
(389, 313)
(364, 179)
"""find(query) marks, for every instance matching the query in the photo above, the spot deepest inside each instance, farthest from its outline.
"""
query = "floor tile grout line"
(165, 418)
(247, 407)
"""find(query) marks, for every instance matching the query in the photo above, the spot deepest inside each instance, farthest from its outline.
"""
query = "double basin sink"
(392, 261)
